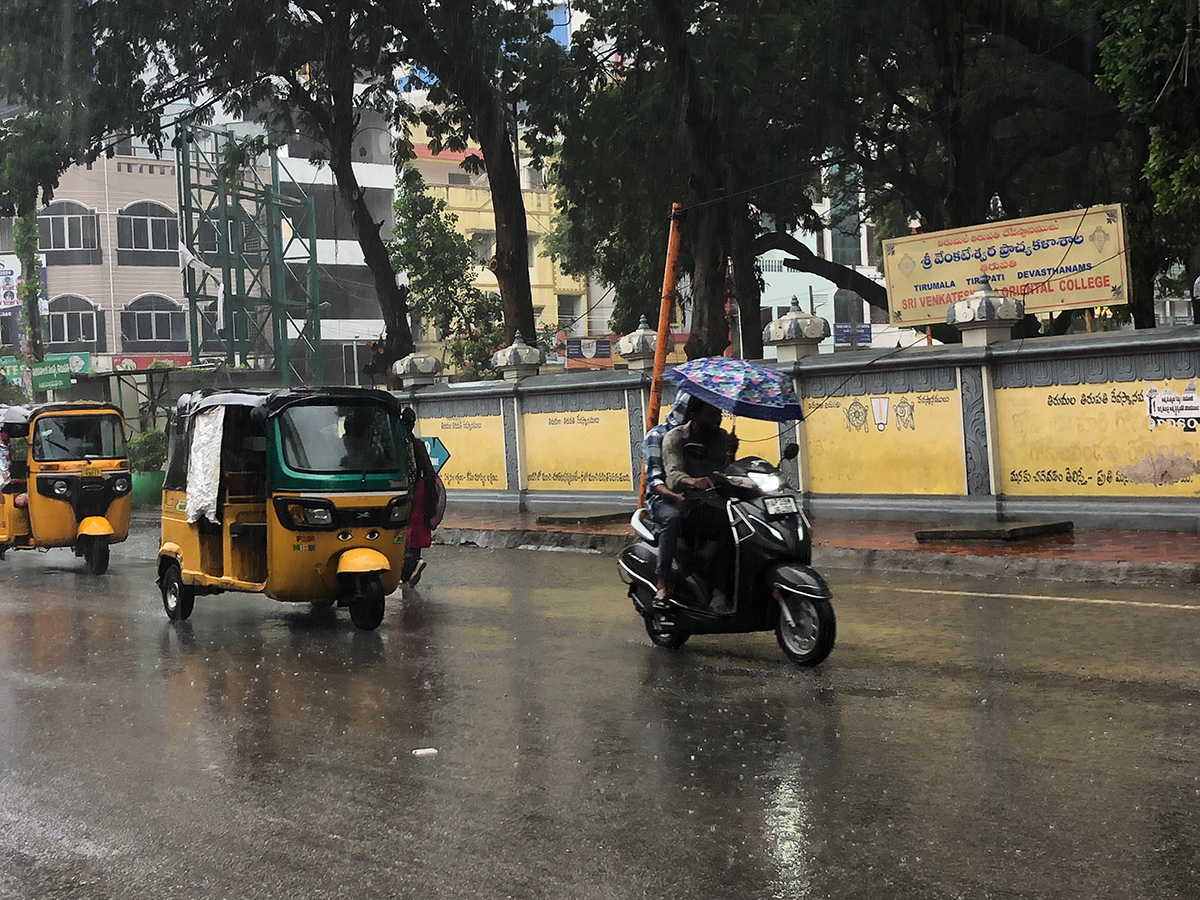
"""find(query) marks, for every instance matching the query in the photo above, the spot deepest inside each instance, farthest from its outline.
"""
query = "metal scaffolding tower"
(255, 238)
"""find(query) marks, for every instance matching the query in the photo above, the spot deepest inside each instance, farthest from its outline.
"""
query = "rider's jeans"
(670, 518)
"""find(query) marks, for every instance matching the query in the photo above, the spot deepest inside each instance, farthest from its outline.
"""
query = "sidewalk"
(1114, 557)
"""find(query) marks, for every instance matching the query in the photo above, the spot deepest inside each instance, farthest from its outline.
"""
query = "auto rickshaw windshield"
(356, 437)
(67, 437)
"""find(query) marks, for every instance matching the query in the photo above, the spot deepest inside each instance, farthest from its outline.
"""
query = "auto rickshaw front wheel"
(366, 603)
(95, 554)
(177, 597)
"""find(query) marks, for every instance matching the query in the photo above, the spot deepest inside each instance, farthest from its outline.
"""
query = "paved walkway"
(1129, 557)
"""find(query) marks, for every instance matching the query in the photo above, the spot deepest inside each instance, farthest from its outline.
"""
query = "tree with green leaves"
(682, 101)
(321, 68)
(938, 111)
(440, 266)
(486, 64)
(1151, 64)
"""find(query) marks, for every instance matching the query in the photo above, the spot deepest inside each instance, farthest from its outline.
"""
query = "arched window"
(74, 324)
(153, 322)
(147, 235)
(68, 226)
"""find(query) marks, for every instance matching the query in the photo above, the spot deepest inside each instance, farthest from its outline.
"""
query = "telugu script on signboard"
(1067, 260)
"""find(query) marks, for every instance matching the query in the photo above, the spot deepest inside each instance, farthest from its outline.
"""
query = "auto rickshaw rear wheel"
(366, 606)
(178, 598)
(95, 554)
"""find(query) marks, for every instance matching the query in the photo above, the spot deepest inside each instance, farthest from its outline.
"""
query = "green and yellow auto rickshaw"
(302, 495)
(66, 481)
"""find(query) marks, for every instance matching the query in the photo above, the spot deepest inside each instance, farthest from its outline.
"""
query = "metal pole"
(314, 296)
(279, 312)
(226, 249)
(664, 328)
(184, 162)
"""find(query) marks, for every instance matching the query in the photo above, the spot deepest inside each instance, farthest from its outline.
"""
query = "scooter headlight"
(767, 482)
(60, 488)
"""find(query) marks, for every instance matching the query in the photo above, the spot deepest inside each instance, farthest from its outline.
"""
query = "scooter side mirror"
(791, 451)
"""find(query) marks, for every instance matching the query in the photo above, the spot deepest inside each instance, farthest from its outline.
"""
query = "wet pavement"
(1099, 555)
(966, 739)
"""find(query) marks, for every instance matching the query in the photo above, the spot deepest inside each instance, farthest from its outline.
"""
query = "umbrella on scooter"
(739, 387)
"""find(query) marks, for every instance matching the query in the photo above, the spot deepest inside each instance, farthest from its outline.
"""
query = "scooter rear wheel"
(668, 638)
(808, 638)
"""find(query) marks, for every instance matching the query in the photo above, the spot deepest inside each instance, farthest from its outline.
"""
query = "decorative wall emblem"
(879, 412)
(856, 416)
(904, 415)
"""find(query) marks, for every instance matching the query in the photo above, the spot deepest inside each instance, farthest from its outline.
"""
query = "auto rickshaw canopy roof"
(272, 403)
(14, 420)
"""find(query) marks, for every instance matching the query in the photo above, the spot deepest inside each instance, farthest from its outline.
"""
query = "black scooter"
(774, 584)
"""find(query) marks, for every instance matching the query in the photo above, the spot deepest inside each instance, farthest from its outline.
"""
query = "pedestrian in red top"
(426, 504)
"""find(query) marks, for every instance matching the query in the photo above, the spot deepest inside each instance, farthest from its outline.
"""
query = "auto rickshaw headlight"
(121, 485)
(304, 514)
(60, 487)
(314, 515)
(397, 513)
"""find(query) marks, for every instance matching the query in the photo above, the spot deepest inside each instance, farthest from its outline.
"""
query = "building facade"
(110, 243)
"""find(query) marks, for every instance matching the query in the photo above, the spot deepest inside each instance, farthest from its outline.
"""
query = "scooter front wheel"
(669, 638)
(806, 630)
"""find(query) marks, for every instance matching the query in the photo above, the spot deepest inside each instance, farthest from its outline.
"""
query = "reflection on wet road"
(1011, 741)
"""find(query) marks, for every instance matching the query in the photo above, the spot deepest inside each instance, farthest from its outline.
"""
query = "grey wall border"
(512, 467)
(637, 432)
(576, 401)
(975, 431)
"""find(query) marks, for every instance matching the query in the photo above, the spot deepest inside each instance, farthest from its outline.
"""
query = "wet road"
(1021, 741)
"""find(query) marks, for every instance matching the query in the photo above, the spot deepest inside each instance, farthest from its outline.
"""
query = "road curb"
(927, 562)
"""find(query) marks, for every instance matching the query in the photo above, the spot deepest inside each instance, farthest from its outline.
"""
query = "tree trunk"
(340, 122)
(1145, 252)
(25, 244)
(455, 60)
(710, 179)
(512, 235)
(746, 288)
(710, 330)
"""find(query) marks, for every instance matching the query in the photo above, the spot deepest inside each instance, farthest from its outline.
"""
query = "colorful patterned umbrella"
(739, 387)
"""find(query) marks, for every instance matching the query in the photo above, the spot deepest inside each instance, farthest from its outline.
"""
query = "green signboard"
(53, 372)
(56, 369)
(10, 368)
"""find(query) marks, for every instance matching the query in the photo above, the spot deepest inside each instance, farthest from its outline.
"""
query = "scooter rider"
(664, 505)
(690, 454)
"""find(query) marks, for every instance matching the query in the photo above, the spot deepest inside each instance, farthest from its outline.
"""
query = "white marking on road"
(1095, 601)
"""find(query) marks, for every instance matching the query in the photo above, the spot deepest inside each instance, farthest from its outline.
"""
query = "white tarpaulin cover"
(204, 466)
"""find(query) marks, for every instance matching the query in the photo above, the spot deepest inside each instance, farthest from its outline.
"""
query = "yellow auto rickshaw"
(67, 479)
(302, 495)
